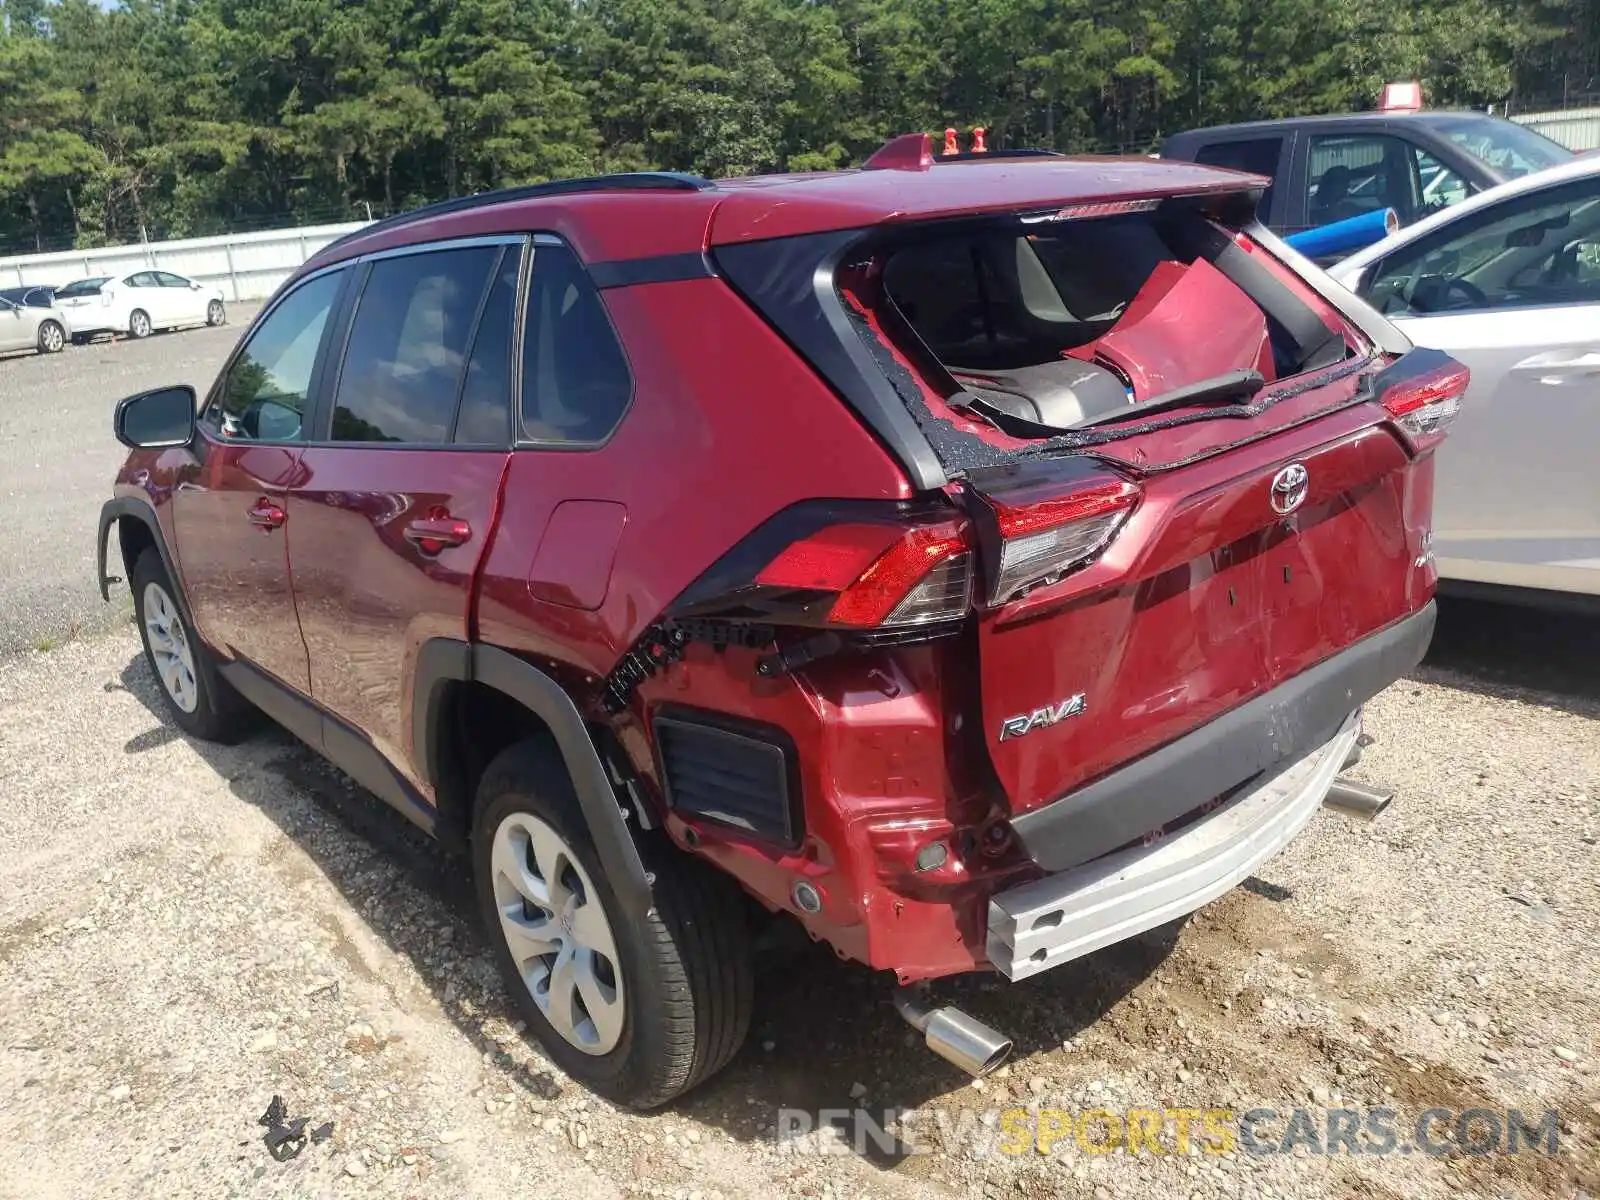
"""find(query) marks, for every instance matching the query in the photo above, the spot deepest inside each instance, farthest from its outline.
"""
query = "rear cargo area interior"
(1058, 322)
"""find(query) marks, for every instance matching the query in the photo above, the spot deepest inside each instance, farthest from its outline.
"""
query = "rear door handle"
(264, 514)
(433, 533)
(1558, 366)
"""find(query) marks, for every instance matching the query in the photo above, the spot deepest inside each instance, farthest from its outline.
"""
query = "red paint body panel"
(1205, 599)
(1187, 324)
(236, 574)
(369, 597)
(699, 462)
(573, 563)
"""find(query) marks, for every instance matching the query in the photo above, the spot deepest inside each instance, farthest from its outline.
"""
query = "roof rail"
(622, 181)
(914, 152)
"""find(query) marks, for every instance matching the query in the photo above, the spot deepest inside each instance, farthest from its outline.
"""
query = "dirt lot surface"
(57, 461)
(186, 931)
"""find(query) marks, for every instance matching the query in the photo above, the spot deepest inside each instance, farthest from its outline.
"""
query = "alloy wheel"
(558, 933)
(170, 652)
(139, 325)
(215, 313)
(51, 338)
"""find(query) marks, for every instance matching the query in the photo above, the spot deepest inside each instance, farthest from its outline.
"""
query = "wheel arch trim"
(442, 661)
(111, 513)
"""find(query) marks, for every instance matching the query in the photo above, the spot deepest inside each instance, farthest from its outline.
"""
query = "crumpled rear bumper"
(1064, 916)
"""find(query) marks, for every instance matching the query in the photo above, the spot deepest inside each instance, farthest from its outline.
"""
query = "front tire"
(216, 314)
(52, 338)
(198, 700)
(638, 1010)
(139, 323)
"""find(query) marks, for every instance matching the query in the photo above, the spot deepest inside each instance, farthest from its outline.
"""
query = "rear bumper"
(1277, 728)
(1065, 916)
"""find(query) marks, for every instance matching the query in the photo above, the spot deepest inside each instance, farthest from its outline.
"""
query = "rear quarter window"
(576, 383)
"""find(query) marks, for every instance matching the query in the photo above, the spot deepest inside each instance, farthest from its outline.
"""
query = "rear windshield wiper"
(1231, 385)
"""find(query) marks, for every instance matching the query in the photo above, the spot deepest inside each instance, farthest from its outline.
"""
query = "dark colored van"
(1327, 169)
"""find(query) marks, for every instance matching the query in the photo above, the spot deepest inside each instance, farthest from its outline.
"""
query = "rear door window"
(408, 344)
(484, 415)
(1350, 175)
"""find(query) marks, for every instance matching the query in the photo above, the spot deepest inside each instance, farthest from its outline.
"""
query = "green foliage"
(160, 118)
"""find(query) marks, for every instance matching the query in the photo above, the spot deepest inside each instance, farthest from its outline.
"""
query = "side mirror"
(156, 419)
(193, 286)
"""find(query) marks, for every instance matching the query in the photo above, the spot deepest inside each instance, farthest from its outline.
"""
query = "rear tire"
(139, 323)
(52, 338)
(675, 1004)
(198, 700)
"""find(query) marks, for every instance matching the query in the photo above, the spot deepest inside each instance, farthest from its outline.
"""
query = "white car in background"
(34, 326)
(138, 303)
(1509, 283)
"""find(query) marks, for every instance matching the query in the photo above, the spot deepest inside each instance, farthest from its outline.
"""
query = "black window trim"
(1370, 272)
(318, 364)
(327, 387)
(523, 441)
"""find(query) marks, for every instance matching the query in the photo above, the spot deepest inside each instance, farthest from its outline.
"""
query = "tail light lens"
(1044, 536)
(843, 567)
(882, 575)
(1425, 403)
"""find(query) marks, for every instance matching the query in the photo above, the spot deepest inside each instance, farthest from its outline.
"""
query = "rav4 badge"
(1040, 718)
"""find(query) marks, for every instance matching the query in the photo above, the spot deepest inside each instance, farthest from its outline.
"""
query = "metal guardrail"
(1577, 129)
(246, 266)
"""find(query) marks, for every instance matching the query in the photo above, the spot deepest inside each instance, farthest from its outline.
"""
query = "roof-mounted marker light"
(978, 146)
(1401, 97)
(952, 144)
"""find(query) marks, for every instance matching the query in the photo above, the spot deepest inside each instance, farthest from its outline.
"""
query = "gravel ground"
(187, 930)
(57, 461)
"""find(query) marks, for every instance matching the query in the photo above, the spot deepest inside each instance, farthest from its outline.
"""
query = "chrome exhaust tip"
(955, 1037)
(1356, 801)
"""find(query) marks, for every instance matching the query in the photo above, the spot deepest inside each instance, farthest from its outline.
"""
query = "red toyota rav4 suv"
(979, 559)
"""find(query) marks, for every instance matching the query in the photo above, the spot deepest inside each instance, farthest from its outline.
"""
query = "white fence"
(246, 266)
(1575, 128)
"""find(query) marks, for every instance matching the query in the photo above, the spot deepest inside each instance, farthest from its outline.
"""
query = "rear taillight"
(880, 574)
(1424, 403)
(843, 567)
(1045, 533)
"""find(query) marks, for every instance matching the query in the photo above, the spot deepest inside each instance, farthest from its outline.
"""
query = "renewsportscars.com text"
(1256, 1131)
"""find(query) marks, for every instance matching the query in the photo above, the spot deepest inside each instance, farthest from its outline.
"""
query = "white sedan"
(137, 304)
(1509, 283)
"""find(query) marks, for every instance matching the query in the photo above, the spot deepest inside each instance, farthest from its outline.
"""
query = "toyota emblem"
(1289, 487)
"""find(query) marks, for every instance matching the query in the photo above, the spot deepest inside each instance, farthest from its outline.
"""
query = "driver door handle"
(1558, 366)
(264, 514)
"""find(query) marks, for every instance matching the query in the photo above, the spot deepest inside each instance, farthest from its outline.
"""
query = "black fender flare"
(441, 661)
(111, 512)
